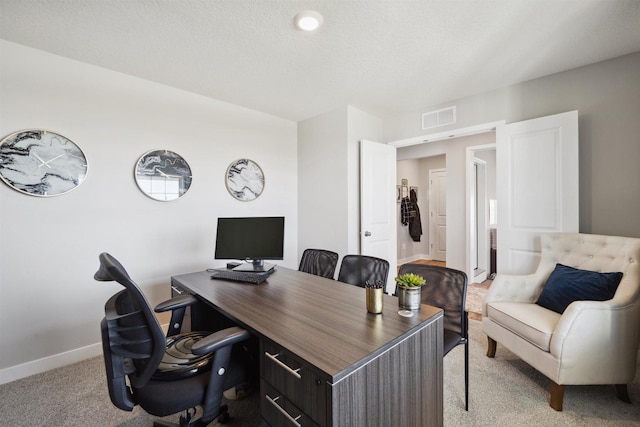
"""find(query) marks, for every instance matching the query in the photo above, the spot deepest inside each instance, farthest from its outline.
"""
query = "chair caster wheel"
(224, 417)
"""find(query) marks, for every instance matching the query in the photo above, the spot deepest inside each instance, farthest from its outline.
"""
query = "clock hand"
(49, 161)
(166, 175)
(42, 162)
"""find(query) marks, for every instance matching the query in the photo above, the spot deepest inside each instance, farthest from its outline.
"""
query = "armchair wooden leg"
(491, 348)
(557, 394)
(623, 393)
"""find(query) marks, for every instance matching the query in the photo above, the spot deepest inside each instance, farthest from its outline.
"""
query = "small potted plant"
(408, 286)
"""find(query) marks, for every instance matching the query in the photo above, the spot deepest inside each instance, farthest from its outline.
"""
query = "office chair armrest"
(221, 345)
(178, 306)
(175, 303)
(217, 340)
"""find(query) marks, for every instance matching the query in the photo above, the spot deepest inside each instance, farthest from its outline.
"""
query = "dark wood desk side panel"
(400, 388)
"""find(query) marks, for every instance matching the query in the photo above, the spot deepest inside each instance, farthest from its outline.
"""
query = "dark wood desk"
(325, 361)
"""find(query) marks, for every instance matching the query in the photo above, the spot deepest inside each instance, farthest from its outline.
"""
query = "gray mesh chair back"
(359, 269)
(319, 262)
(446, 288)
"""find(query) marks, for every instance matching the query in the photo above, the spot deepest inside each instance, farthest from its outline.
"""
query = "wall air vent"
(446, 116)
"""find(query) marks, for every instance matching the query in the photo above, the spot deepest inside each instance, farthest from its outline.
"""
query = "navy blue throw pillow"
(567, 284)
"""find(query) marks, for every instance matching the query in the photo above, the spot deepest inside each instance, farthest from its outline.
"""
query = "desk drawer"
(277, 410)
(294, 379)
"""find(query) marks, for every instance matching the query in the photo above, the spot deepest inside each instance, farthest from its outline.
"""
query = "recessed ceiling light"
(308, 20)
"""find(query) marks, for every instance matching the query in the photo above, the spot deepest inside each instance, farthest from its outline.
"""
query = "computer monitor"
(250, 239)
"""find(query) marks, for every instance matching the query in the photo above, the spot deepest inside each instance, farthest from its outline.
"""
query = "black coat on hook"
(415, 225)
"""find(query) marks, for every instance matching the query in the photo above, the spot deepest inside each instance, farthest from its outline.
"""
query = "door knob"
(367, 233)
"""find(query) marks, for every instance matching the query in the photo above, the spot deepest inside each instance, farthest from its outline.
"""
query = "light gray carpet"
(77, 396)
(503, 392)
(506, 391)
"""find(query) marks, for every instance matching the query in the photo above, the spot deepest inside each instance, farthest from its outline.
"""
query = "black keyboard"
(239, 276)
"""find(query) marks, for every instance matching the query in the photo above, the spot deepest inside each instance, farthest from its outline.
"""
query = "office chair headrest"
(110, 269)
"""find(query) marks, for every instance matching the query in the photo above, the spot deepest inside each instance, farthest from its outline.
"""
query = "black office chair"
(446, 288)
(165, 375)
(359, 269)
(319, 262)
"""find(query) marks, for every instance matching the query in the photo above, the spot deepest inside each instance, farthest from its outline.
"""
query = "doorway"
(478, 195)
(417, 176)
(453, 150)
(481, 188)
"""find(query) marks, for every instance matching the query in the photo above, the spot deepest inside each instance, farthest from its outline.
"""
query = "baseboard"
(413, 258)
(24, 370)
(50, 362)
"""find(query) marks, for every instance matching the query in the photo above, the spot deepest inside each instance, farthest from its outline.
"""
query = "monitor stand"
(257, 266)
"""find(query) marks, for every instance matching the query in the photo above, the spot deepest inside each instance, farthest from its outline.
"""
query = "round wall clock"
(41, 163)
(163, 175)
(245, 180)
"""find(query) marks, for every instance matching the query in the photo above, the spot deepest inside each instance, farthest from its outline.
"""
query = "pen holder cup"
(374, 300)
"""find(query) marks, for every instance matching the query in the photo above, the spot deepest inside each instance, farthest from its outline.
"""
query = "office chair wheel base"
(186, 417)
(223, 416)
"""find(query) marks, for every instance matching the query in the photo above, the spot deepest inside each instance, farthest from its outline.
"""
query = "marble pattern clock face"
(245, 180)
(163, 175)
(41, 163)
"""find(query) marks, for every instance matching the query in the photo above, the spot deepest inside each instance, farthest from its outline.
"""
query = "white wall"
(322, 189)
(50, 306)
(607, 97)
(329, 178)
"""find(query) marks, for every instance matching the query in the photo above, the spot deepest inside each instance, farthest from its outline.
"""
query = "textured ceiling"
(383, 56)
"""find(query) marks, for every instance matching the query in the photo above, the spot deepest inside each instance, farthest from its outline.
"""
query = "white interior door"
(378, 222)
(537, 187)
(438, 214)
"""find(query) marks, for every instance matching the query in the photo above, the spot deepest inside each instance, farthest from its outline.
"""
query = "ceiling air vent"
(446, 116)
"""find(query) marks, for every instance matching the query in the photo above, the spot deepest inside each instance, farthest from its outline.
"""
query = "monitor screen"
(252, 238)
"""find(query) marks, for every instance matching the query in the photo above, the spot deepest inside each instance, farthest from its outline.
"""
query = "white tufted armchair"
(591, 342)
